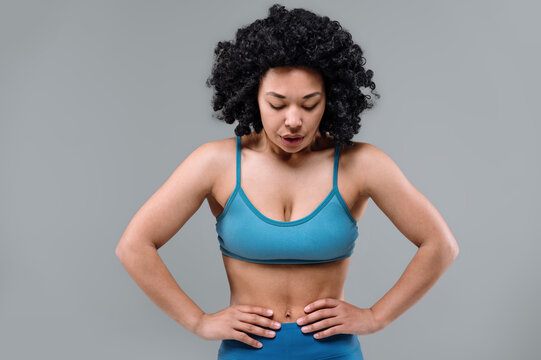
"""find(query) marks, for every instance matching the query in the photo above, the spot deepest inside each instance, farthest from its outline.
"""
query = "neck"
(292, 156)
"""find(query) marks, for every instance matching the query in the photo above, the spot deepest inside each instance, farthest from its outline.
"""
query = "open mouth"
(292, 140)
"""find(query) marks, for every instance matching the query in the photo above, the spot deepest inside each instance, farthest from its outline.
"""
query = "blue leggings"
(292, 344)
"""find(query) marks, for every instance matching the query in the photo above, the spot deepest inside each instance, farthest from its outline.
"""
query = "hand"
(337, 317)
(234, 322)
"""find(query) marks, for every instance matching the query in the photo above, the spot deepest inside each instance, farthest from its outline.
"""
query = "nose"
(293, 118)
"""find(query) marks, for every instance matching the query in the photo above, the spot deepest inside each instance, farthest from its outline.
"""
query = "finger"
(259, 320)
(254, 329)
(319, 325)
(255, 309)
(328, 332)
(243, 337)
(317, 315)
(320, 303)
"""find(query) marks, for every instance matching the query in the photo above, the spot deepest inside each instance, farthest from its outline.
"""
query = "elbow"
(122, 249)
(446, 247)
(451, 248)
(454, 247)
(128, 246)
(456, 250)
(119, 251)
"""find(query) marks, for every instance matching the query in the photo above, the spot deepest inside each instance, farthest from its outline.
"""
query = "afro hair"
(292, 38)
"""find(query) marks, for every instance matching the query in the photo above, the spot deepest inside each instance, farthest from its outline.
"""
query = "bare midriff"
(284, 288)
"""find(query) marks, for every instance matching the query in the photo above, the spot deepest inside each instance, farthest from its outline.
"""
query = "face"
(291, 103)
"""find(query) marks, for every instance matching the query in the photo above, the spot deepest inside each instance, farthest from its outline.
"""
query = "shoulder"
(214, 152)
(364, 152)
(211, 149)
(213, 157)
(368, 165)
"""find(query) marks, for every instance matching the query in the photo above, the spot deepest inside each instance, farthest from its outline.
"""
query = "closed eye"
(283, 106)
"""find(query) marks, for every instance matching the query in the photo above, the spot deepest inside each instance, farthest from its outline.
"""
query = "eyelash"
(281, 107)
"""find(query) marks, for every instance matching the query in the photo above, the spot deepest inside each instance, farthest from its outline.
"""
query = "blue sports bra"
(327, 234)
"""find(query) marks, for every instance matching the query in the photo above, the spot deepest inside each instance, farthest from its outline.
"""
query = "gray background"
(101, 100)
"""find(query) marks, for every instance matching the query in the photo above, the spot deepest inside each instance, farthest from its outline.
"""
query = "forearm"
(425, 268)
(150, 273)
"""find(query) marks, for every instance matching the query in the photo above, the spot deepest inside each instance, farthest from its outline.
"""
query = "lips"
(292, 140)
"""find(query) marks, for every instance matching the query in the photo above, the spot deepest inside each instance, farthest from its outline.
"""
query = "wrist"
(192, 324)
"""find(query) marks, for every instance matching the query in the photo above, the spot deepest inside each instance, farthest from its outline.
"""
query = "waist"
(286, 289)
(286, 307)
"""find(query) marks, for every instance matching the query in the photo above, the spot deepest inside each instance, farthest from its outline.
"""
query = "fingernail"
(307, 308)
(269, 312)
(276, 325)
(270, 332)
(259, 345)
(304, 328)
(299, 321)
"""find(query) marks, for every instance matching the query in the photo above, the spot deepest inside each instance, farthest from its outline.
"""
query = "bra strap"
(238, 161)
(335, 168)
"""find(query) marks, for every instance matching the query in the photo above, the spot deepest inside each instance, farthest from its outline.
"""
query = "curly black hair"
(292, 38)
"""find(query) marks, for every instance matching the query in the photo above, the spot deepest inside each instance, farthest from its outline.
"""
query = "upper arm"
(409, 210)
(168, 209)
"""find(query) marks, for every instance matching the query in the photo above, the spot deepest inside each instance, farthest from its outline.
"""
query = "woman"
(287, 197)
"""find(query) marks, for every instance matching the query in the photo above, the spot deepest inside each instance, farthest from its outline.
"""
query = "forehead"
(282, 78)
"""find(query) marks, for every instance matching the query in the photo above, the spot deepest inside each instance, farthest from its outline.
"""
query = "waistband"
(288, 327)
(291, 343)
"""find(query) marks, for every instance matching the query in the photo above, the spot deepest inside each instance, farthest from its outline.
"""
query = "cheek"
(317, 116)
(270, 121)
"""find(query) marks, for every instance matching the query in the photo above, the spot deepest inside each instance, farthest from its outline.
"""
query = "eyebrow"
(283, 97)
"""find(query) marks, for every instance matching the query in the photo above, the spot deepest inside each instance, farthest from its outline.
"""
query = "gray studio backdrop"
(101, 100)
